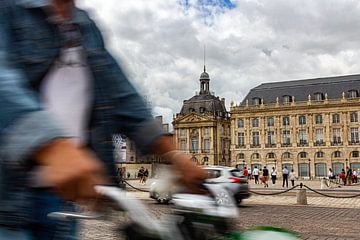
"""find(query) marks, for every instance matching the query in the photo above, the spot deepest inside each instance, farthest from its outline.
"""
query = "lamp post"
(309, 170)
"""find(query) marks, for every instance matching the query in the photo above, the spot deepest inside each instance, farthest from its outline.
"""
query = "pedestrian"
(292, 177)
(265, 174)
(246, 172)
(342, 176)
(285, 174)
(354, 176)
(349, 175)
(255, 173)
(63, 96)
(141, 175)
(331, 174)
(146, 175)
(273, 175)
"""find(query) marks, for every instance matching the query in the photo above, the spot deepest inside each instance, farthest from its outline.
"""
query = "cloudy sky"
(160, 43)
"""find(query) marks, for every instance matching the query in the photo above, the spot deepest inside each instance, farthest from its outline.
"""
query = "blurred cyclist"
(62, 97)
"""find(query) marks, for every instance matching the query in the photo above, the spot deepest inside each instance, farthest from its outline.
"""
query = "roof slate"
(301, 89)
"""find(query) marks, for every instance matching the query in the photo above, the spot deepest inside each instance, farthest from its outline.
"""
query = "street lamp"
(309, 169)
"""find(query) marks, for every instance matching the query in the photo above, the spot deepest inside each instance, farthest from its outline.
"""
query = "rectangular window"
(318, 119)
(182, 132)
(286, 121)
(256, 138)
(271, 137)
(353, 117)
(286, 137)
(320, 170)
(336, 135)
(303, 136)
(240, 123)
(206, 131)
(354, 134)
(241, 139)
(194, 145)
(270, 121)
(207, 145)
(319, 136)
(255, 122)
(302, 120)
(336, 118)
(303, 169)
(183, 145)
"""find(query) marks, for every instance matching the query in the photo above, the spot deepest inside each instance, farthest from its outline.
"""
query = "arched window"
(337, 154)
(354, 154)
(257, 101)
(271, 155)
(353, 93)
(319, 96)
(241, 156)
(303, 155)
(287, 99)
(320, 154)
(255, 156)
(286, 155)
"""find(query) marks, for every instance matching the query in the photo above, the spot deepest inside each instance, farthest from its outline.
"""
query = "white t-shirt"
(67, 93)
(285, 171)
(255, 171)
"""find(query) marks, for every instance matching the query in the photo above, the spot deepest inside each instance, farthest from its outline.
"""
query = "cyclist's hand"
(192, 176)
(72, 172)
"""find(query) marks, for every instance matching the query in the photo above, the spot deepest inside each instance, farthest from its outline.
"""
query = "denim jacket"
(29, 46)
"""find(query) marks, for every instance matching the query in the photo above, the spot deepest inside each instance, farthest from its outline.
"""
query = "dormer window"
(191, 110)
(202, 109)
(287, 99)
(319, 96)
(353, 94)
(257, 101)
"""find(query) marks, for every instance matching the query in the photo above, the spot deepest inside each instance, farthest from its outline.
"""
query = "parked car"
(232, 179)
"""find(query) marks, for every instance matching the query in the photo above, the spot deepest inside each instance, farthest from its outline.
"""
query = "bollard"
(301, 196)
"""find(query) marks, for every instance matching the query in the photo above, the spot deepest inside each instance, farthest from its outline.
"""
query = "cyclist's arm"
(24, 125)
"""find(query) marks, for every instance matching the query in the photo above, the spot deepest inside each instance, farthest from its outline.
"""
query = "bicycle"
(196, 217)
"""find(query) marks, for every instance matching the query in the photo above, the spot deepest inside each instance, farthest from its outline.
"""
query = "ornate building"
(309, 125)
(202, 128)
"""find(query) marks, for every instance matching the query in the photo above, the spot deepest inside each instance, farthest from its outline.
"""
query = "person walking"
(255, 173)
(342, 177)
(349, 174)
(354, 176)
(285, 174)
(292, 177)
(246, 172)
(273, 175)
(146, 175)
(265, 174)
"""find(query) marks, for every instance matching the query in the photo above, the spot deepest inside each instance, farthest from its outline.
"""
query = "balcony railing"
(285, 144)
(240, 146)
(336, 143)
(303, 144)
(356, 142)
(319, 143)
(255, 145)
(270, 145)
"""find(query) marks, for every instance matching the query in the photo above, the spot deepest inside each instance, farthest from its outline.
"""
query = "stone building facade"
(308, 125)
(202, 128)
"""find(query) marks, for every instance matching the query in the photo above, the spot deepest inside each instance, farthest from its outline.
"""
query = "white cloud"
(160, 44)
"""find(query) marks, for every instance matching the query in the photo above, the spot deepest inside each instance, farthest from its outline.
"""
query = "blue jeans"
(40, 227)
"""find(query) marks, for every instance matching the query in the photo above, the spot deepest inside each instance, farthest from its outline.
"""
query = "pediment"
(193, 117)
